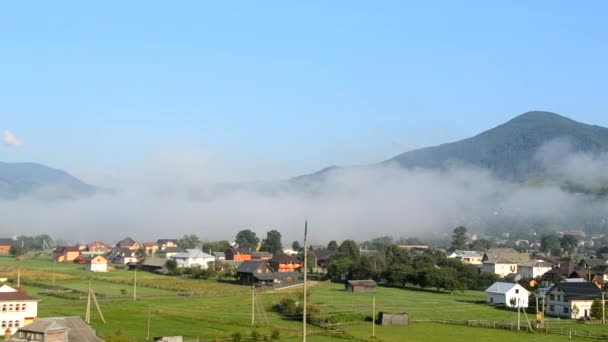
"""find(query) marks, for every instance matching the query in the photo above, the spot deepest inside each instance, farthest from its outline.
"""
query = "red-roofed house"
(98, 247)
(150, 247)
(65, 253)
(5, 245)
(17, 308)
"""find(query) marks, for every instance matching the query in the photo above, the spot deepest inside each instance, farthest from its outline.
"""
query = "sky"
(141, 94)
(286, 88)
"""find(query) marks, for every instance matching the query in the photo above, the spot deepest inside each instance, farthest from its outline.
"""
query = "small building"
(6, 245)
(193, 258)
(507, 294)
(285, 263)
(356, 286)
(98, 247)
(156, 265)
(393, 318)
(17, 309)
(534, 269)
(56, 329)
(128, 243)
(65, 253)
(97, 263)
(251, 272)
(166, 243)
(572, 299)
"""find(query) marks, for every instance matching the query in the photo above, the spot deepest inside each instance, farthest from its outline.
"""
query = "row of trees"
(246, 239)
(398, 267)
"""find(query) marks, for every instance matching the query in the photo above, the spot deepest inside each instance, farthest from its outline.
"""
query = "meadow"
(208, 309)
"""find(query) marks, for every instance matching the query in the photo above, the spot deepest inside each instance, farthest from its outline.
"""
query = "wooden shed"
(393, 318)
(361, 286)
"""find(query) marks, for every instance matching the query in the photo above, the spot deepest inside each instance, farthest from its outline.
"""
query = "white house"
(533, 269)
(572, 299)
(97, 263)
(501, 267)
(17, 308)
(467, 257)
(193, 258)
(507, 294)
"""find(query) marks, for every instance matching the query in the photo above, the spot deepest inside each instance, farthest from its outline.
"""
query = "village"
(544, 286)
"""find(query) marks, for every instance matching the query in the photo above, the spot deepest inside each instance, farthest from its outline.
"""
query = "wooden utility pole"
(374, 316)
(148, 333)
(253, 304)
(603, 309)
(135, 285)
(518, 313)
(97, 305)
(305, 279)
(87, 316)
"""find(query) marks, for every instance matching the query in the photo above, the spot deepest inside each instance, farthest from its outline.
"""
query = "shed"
(393, 318)
(361, 285)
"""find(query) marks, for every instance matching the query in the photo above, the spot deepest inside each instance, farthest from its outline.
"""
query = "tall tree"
(215, 246)
(272, 242)
(568, 243)
(247, 239)
(551, 243)
(296, 246)
(190, 241)
(459, 238)
(350, 250)
(332, 245)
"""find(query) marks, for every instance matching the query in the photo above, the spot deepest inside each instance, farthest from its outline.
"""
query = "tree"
(568, 243)
(459, 238)
(190, 241)
(272, 243)
(332, 245)
(217, 246)
(596, 308)
(481, 245)
(551, 243)
(247, 239)
(296, 246)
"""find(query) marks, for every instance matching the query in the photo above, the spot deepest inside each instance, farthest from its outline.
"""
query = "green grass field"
(208, 309)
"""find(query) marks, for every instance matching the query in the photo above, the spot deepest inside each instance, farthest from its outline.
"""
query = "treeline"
(24, 244)
(396, 266)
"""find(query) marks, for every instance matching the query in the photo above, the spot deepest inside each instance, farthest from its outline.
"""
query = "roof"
(78, 330)
(218, 254)
(502, 287)
(124, 251)
(261, 255)
(194, 254)
(7, 242)
(65, 249)
(579, 290)
(536, 263)
(323, 254)
(509, 254)
(126, 242)
(154, 262)
(164, 241)
(366, 283)
(150, 244)
(277, 275)
(8, 293)
(249, 266)
(284, 259)
(173, 250)
(466, 254)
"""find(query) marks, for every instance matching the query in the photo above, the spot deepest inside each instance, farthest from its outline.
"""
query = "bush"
(236, 337)
(275, 335)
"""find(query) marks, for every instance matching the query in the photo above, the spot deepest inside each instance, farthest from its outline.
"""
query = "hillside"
(19, 179)
(510, 149)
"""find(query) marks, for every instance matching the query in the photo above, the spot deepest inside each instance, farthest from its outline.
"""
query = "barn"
(361, 286)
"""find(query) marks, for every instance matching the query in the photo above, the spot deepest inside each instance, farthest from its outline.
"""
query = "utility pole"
(135, 285)
(87, 316)
(603, 309)
(518, 313)
(148, 333)
(305, 278)
(252, 305)
(374, 316)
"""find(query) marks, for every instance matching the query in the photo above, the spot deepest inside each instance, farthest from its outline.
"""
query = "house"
(571, 299)
(6, 245)
(568, 269)
(168, 252)
(56, 329)
(501, 267)
(285, 263)
(193, 258)
(98, 247)
(166, 243)
(356, 286)
(534, 269)
(251, 272)
(65, 253)
(156, 265)
(322, 259)
(97, 263)
(507, 294)
(237, 254)
(150, 247)
(17, 309)
(467, 257)
(509, 254)
(261, 256)
(128, 243)
(123, 255)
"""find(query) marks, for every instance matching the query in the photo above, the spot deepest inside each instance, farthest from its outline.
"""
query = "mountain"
(510, 150)
(18, 179)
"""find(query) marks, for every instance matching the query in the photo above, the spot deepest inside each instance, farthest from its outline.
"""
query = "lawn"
(209, 309)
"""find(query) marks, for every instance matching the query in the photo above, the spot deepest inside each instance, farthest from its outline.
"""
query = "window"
(17, 307)
(566, 309)
(566, 299)
(10, 324)
(517, 291)
(3, 324)
(10, 307)
(551, 307)
(552, 297)
(4, 308)
(23, 307)
(17, 324)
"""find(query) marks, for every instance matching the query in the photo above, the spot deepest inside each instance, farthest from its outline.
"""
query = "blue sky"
(286, 88)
